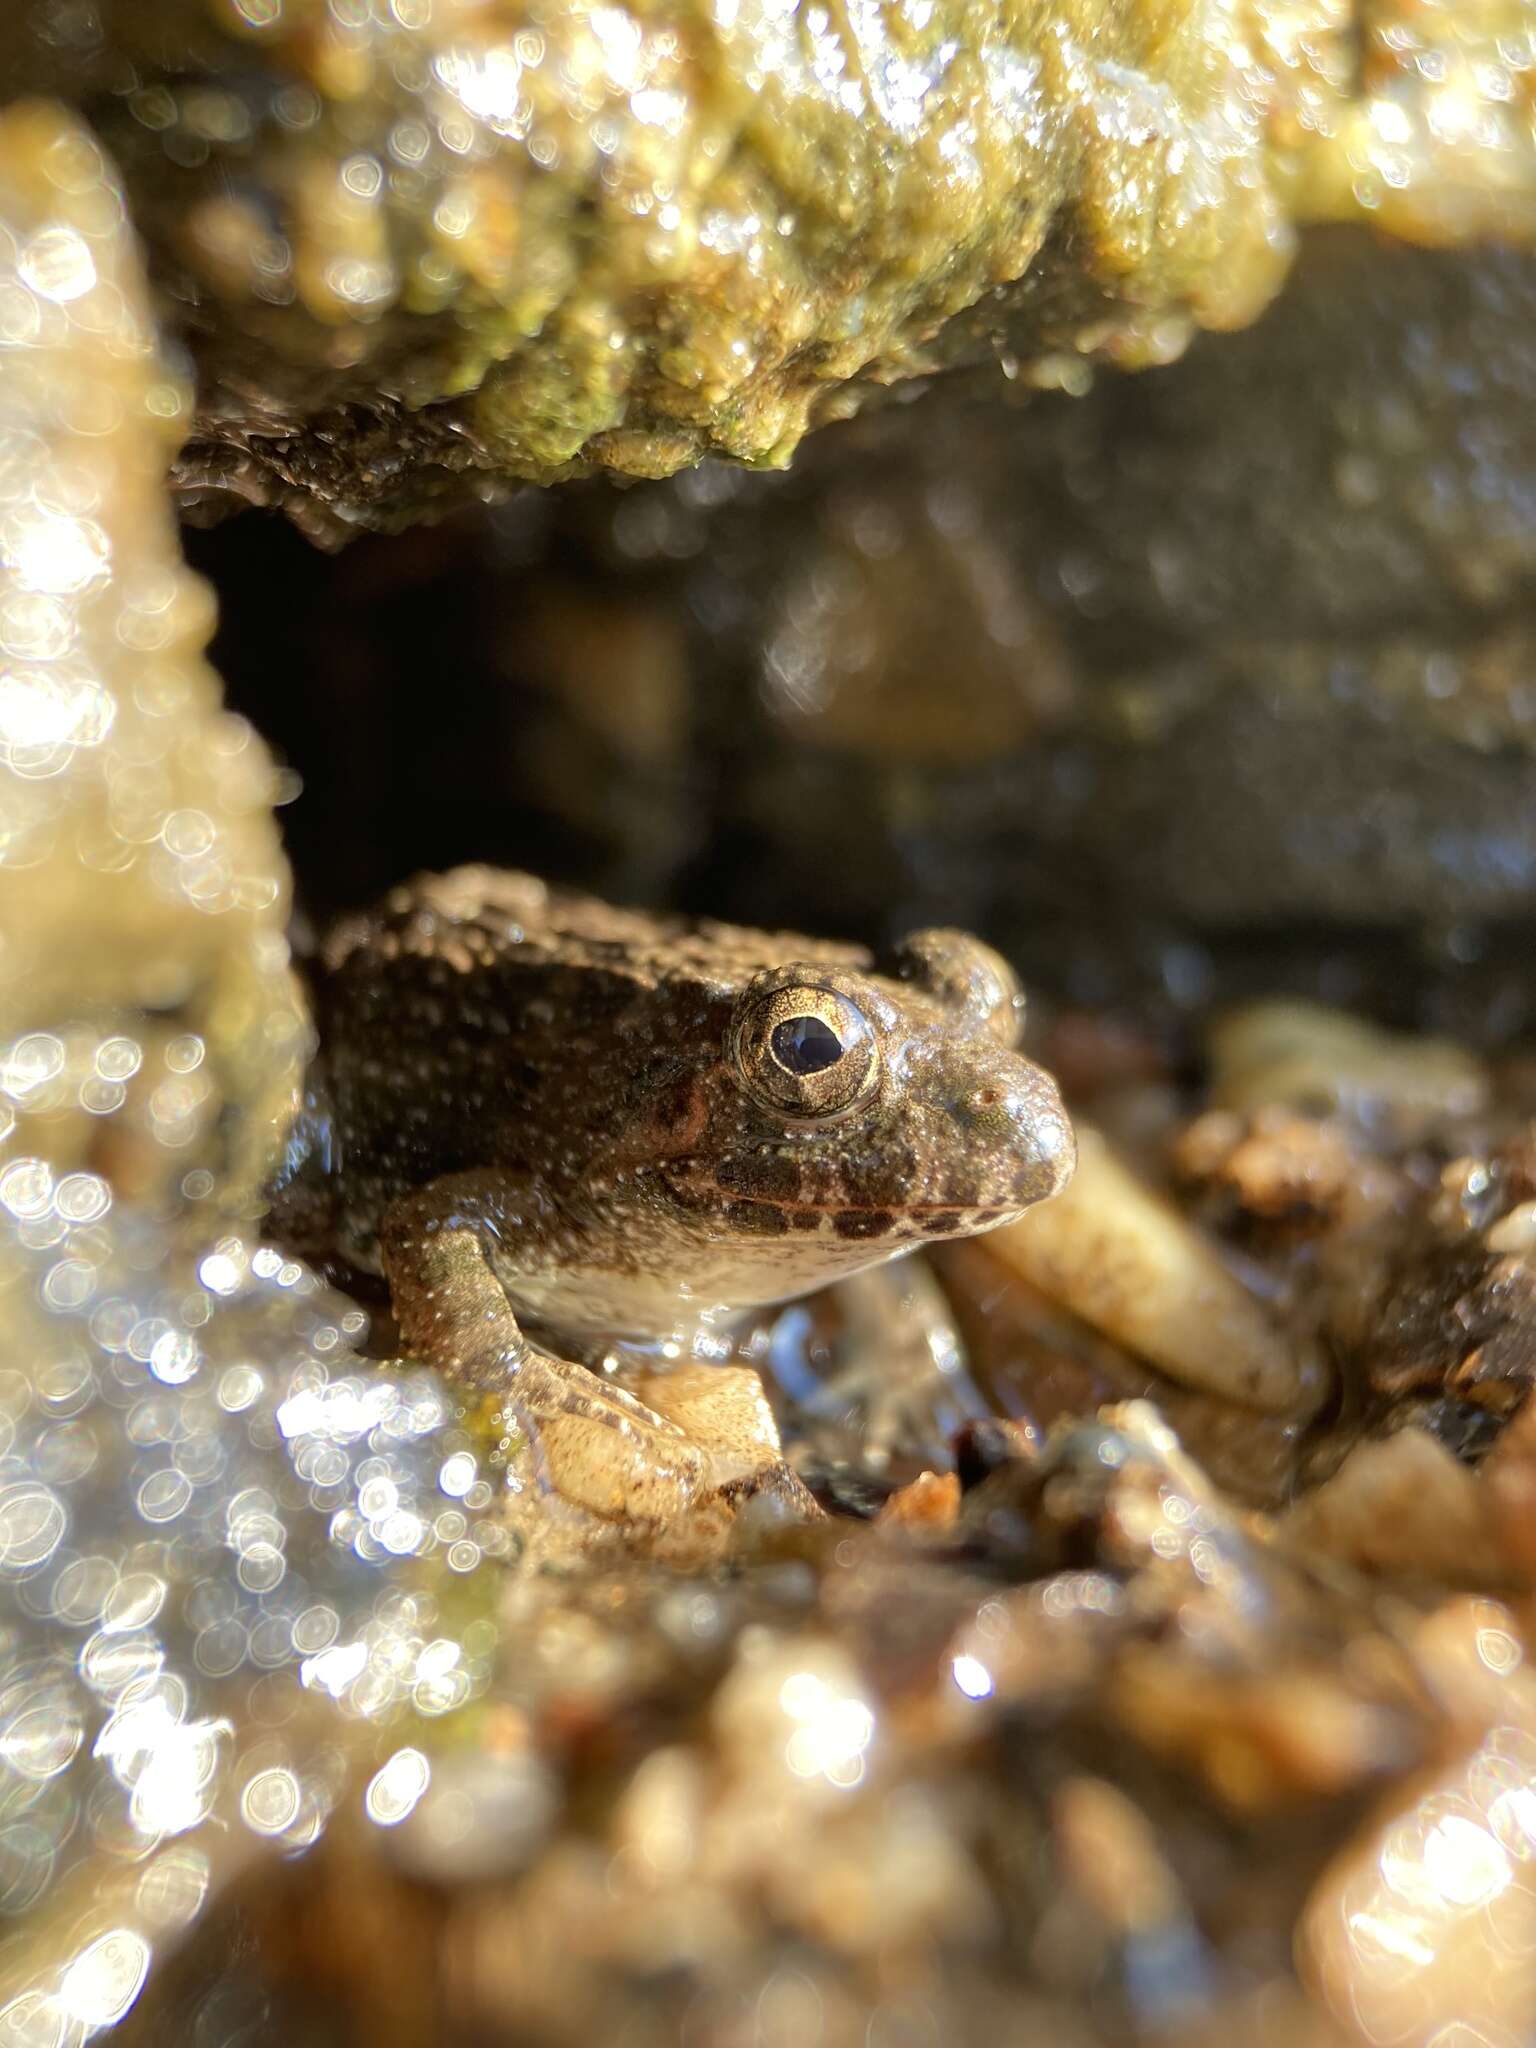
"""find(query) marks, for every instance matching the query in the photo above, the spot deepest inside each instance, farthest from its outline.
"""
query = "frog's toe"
(670, 1480)
(607, 1453)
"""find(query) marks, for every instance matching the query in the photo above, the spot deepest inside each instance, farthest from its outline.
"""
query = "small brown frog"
(562, 1130)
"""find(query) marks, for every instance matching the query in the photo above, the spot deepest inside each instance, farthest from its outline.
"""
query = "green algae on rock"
(427, 250)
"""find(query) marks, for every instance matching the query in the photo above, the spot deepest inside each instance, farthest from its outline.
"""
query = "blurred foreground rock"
(150, 1026)
(1076, 1791)
(169, 1557)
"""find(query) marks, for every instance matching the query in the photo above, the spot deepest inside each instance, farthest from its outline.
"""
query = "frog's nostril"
(991, 1106)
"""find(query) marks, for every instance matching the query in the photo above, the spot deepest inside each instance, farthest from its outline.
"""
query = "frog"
(581, 1142)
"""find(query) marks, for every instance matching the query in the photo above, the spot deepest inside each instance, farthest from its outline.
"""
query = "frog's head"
(838, 1116)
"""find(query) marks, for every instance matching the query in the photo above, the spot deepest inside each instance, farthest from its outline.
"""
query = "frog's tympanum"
(536, 1113)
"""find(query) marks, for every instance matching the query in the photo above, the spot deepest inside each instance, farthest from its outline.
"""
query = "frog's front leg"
(591, 1443)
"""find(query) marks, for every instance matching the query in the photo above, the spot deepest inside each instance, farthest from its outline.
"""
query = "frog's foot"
(599, 1467)
(724, 1410)
(597, 1448)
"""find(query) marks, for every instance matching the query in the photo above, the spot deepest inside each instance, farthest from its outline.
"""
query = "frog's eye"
(805, 1051)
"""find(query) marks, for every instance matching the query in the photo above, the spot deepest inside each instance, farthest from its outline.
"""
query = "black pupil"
(804, 1045)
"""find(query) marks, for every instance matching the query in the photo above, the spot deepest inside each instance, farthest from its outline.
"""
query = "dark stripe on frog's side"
(857, 1223)
(756, 1219)
(760, 1176)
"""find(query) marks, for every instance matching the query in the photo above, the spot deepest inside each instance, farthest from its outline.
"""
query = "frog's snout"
(1054, 1140)
(1016, 1132)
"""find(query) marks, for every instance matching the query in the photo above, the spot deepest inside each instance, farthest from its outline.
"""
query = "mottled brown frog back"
(480, 1018)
